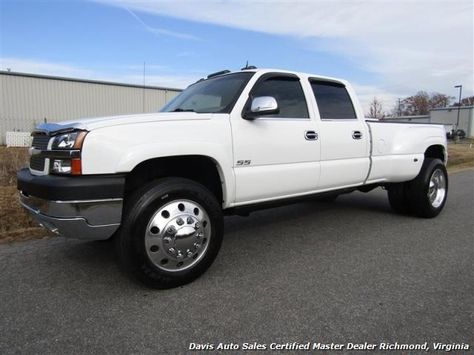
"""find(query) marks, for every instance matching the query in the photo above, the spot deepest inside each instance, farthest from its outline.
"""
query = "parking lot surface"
(347, 271)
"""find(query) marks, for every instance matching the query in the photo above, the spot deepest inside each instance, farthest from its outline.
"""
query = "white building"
(29, 99)
(449, 115)
(446, 116)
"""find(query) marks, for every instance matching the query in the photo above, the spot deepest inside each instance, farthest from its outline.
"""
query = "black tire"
(141, 207)
(461, 134)
(419, 188)
(398, 198)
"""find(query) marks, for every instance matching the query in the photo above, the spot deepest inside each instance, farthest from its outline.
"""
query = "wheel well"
(435, 151)
(198, 168)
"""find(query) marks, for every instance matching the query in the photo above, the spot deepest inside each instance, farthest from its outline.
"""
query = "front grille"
(37, 162)
(40, 142)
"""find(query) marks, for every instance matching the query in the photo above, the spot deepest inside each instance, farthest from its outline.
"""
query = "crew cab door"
(275, 155)
(344, 136)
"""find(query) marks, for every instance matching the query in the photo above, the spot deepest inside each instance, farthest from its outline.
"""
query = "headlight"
(71, 140)
(71, 163)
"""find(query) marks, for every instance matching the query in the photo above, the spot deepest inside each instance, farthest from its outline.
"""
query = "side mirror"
(262, 105)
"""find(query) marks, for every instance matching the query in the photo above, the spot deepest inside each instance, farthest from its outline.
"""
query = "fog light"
(67, 166)
(61, 166)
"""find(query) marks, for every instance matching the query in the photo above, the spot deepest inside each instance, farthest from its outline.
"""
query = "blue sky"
(378, 45)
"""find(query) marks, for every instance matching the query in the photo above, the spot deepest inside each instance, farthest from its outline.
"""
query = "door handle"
(310, 135)
(356, 134)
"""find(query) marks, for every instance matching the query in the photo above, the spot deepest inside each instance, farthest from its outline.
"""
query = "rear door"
(344, 137)
(277, 155)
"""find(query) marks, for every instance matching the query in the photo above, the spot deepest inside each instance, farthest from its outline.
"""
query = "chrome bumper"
(83, 219)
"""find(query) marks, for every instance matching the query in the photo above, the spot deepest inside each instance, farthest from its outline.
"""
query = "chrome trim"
(357, 135)
(263, 104)
(177, 235)
(33, 151)
(311, 135)
(87, 219)
(48, 128)
(437, 188)
(371, 148)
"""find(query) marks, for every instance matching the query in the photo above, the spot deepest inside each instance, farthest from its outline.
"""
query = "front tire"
(171, 233)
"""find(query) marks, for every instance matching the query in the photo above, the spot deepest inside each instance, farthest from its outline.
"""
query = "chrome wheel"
(177, 235)
(437, 188)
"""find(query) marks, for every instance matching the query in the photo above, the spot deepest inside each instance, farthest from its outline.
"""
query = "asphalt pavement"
(347, 271)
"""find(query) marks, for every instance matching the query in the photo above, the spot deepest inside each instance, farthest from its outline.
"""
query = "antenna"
(247, 66)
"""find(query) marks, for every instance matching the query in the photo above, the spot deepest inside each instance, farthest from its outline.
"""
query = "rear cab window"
(333, 100)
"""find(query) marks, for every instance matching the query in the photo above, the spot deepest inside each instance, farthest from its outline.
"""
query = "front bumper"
(94, 216)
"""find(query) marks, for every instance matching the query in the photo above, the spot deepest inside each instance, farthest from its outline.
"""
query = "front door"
(277, 155)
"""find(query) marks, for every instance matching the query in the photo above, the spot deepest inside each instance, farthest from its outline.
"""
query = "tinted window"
(288, 94)
(215, 95)
(333, 100)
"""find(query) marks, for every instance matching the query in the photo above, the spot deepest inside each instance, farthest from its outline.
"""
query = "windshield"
(214, 95)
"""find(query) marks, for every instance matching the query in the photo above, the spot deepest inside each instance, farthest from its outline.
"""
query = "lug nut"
(197, 225)
(180, 221)
(190, 254)
(171, 250)
(167, 240)
(180, 256)
(171, 230)
(190, 220)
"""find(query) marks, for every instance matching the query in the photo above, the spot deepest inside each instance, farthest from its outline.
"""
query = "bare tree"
(421, 103)
(438, 100)
(376, 109)
(467, 101)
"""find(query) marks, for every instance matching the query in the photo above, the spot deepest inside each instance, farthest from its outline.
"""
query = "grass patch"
(16, 224)
(11, 160)
(460, 156)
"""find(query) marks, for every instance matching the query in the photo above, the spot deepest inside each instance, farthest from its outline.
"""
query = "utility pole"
(455, 131)
(459, 104)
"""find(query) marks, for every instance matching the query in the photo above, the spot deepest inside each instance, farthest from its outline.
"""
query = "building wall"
(449, 116)
(27, 100)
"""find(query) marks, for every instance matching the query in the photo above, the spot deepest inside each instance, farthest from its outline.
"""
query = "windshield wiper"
(179, 109)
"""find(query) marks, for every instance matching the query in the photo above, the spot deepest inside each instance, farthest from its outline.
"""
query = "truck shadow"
(345, 208)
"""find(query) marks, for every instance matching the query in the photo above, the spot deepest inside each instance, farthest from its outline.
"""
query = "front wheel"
(172, 231)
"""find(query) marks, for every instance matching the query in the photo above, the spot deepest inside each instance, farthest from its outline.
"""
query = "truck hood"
(90, 124)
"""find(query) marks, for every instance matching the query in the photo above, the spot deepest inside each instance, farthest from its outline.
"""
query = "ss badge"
(243, 162)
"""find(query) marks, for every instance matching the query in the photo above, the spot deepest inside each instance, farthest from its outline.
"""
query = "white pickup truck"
(161, 183)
